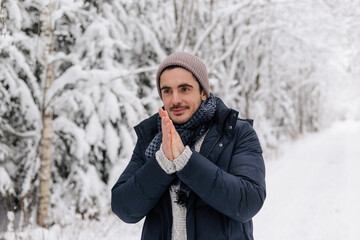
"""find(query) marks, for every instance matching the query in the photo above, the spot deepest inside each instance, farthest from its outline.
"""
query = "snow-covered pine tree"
(266, 67)
(19, 112)
(95, 104)
(95, 101)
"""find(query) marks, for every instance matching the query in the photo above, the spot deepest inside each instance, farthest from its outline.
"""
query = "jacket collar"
(222, 114)
(224, 117)
(223, 123)
(147, 129)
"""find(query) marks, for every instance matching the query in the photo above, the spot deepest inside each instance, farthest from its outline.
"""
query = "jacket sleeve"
(239, 193)
(139, 187)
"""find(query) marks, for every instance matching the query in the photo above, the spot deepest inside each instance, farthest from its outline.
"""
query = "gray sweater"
(179, 211)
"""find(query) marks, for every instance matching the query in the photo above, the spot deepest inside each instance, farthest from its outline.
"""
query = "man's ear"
(203, 95)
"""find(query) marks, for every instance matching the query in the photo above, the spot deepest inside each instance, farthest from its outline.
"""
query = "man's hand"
(177, 145)
(171, 142)
(166, 134)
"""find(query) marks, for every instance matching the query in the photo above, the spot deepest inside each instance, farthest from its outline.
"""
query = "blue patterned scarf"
(190, 131)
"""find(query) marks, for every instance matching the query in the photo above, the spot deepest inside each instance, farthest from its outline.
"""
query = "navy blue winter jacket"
(227, 179)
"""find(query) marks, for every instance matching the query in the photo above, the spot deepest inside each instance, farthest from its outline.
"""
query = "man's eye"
(185, 89)
(166, 91)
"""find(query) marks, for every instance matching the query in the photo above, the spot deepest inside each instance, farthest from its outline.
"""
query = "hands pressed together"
(172, 145)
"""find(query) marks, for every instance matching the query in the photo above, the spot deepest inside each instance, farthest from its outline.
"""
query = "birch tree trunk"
(47, 116)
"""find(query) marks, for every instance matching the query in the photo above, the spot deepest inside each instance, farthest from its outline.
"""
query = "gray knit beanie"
(191, 63)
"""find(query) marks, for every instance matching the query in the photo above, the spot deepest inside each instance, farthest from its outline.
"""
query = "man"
(197, 170)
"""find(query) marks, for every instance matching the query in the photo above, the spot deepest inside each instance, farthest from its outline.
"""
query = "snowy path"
(314, 188)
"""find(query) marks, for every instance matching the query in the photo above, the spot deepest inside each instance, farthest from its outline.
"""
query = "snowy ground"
(314, 188)
(313, 194)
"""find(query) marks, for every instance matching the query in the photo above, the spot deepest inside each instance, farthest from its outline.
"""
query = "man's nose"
(176, 100)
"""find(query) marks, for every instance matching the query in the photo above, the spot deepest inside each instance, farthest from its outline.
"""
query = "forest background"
(77, 75)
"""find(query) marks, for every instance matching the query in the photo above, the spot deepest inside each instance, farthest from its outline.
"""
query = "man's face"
(180, 93)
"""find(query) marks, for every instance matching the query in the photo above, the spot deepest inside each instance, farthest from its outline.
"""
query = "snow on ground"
(313, 189)
(313, 193)
(107, 228)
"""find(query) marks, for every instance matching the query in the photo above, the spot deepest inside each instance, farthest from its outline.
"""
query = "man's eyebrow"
(165, 87)
(180, 86)
(185, 85)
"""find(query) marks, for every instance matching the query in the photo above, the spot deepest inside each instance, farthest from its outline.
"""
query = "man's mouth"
(178, 110)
